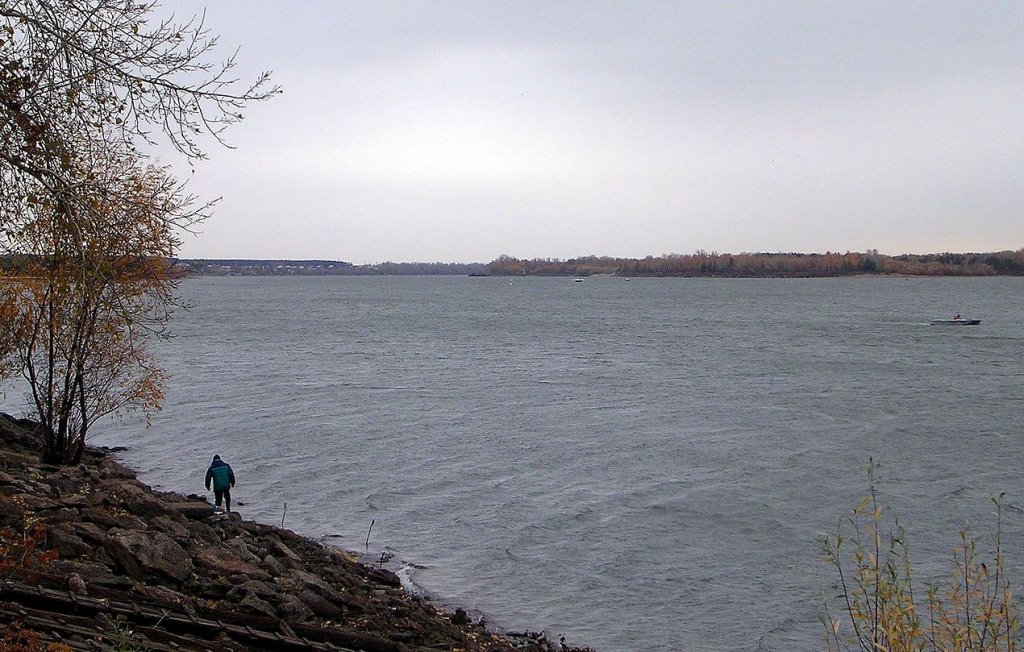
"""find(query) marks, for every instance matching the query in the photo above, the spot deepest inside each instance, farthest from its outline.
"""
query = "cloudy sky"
(457, 131)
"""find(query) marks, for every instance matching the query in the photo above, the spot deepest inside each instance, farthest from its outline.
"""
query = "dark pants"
(218, 494)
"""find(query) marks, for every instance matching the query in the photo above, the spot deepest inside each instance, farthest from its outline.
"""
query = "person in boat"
(223, 479)
(956, 316)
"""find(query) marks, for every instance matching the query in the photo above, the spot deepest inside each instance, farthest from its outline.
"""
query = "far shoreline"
(700, 264)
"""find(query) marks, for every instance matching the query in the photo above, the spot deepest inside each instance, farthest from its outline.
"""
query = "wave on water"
(592, 460)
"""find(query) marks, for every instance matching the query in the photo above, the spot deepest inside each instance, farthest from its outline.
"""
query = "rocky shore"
(93, 559)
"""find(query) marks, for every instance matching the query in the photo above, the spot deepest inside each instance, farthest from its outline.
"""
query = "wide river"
(636, 464)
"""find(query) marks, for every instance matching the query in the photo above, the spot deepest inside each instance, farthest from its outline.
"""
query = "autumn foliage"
(768, 265)
(90, 288)
(881, 608)
(87, 224)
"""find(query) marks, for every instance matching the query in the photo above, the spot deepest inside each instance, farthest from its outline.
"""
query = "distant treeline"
(745, 265)
(767, 265)
(243, 267)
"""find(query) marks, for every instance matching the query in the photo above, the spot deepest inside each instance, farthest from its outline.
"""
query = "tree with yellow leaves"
(87, 293)
(87, 227)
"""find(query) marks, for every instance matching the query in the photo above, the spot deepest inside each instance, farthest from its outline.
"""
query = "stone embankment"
(91, 558)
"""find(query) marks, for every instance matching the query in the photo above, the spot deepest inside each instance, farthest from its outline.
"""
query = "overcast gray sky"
(458, 131)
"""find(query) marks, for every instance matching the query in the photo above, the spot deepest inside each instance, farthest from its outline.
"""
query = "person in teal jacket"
(223, 479)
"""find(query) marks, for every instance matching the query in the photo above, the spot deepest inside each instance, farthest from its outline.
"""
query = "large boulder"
(136, 499)
(93, 573)
(221, 562)
(254, 604)
(109, 519)
(112, 469)
(273, 567)
(194, 510)
(67, 543)
(241, 549)
(284, 555)
(318, 595)
(293, 610)
(90, 532)
(320, 605)
(142, 553)
(22, 433)
(177, 531)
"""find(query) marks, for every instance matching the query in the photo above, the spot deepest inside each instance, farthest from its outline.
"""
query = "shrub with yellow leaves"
(975, 612)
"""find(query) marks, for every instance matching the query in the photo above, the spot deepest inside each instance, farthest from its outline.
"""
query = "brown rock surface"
(94, 559)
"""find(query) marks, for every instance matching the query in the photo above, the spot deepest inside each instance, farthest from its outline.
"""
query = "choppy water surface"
(639, 464)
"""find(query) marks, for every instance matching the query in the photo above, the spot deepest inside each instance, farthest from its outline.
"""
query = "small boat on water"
(956, 321)
(578, 279)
